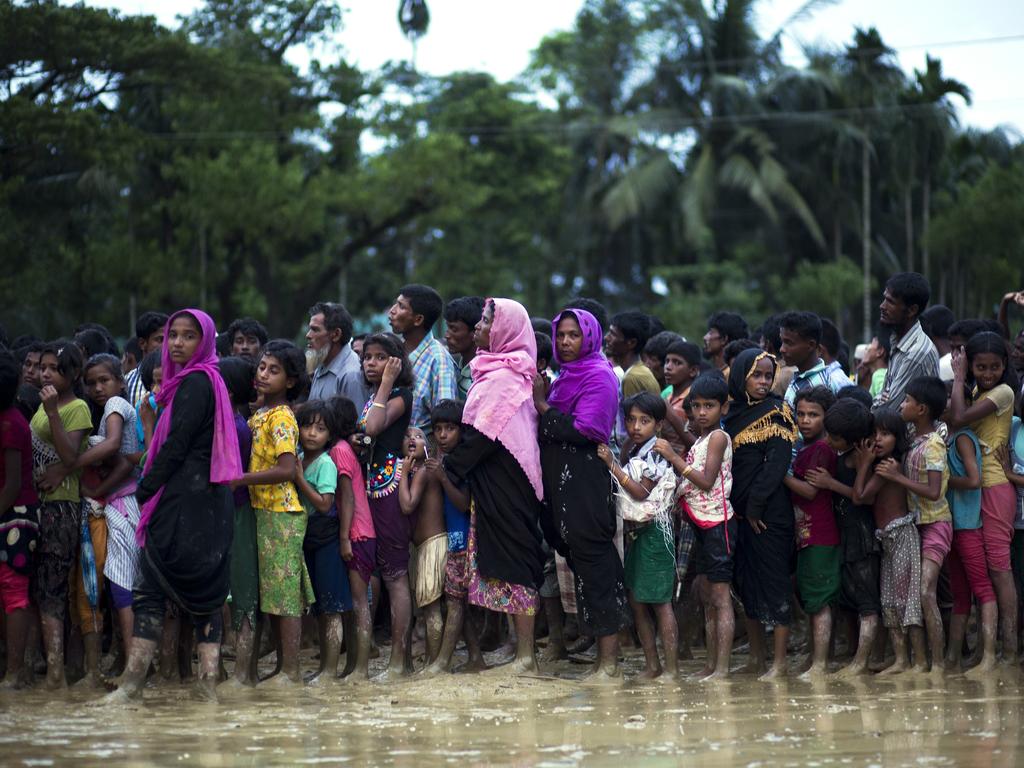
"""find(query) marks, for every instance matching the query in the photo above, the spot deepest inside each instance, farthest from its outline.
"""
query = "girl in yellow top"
(285, 588)
(990, 416)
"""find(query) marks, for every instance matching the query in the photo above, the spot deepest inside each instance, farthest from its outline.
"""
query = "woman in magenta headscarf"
(499, 459)
(187, 509)
(575, 419)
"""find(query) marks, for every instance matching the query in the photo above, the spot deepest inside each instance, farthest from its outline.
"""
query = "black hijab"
(771, 416)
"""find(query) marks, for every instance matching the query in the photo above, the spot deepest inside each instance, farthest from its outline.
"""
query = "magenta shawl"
(226, 464)
(500, 402)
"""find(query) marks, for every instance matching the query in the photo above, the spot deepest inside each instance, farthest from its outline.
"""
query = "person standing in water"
(186, 525)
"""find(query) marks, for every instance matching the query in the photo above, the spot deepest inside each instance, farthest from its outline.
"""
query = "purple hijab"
(586, 388)
(226, 464)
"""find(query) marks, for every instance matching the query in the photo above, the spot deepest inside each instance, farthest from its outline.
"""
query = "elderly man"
(333, 364)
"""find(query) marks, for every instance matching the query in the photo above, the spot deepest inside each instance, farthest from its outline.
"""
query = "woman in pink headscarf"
(499, 459)
(187, 509)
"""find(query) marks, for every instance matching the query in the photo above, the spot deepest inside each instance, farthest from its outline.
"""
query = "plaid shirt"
(434, 380)
(819, 375)
(911, 356)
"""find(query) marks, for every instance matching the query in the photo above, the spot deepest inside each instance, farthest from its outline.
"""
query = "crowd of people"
(591, 480)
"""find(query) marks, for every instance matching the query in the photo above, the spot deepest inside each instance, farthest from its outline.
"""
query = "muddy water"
(493, 719)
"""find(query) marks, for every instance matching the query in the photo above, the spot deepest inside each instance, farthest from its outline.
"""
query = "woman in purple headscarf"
(187, 510)
(575, 419)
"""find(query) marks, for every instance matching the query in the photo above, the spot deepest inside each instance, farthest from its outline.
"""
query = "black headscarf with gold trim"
(752, 421)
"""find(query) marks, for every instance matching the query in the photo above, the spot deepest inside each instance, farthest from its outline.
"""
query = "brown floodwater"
(494, 719)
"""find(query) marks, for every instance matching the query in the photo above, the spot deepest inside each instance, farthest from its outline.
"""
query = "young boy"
(446, 418)
(817, 535)
(545, 350)
(420, 496)
(847, 424)
(704, 487)
(925, 475)
(682, 365)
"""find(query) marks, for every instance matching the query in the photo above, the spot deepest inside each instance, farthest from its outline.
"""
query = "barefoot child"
(285, 589)
(704, 487)
(650, 565)
(848, 423)
(682, 364)
(924, 475)
(317, 481)
(901, 545)
(356, 537)
(817, 535)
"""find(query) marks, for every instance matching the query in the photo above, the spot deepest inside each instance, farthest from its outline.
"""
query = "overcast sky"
(980, 42)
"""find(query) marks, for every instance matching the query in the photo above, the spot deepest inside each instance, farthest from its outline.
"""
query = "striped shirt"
(820, 375)
(912, 356)
(434, 380)
(134, 387)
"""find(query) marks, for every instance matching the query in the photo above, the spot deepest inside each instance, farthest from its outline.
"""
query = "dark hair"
(937, 320)
(336, 317)
(806, 325)
(967, 329)
(237, 373)
(993, 343)
(771, 332)
(113, 365)
(733, 348)
(425, 301)
(911, 288)
(148, 365)
(819, 395)
(293, 361)
(710, 386)
(10, 374)
(884, 341)
(149, 323)
(633, 325)
(857, 394)
(929, 391)
(394, 348)
(843, 358)
(247, 326)
(687, 350)
(465, 309)
(594, 307)
(657, 346)
(23, 345)
(545, 349)
(830, 338)
(92, 342)
(28, 400)
(889, 420)
(447, 412)
(655, 325)
(541, 325)
(110, 345)
(849, 419)
(222, 344)
(730, 325)
(323, 410)
(346, 416)
(69, 358)
(133, 348)
(646, 402)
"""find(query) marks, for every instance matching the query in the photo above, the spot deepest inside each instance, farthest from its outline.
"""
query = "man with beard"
(334, 366)
(912, 352)
(723, 327)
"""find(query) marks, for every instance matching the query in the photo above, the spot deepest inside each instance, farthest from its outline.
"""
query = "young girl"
(285, 590)
(650, 566)
(682, 364)
(901, 545)
(987, 370)
(317, 481)
(60, 432)
(384, 419)
(704, 487)
(356, 536)
(238, 374)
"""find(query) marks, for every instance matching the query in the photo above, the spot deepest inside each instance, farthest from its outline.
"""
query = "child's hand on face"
(865, 451)
(604, 453)
(959, 364)
(888, 468)
(48, 395)
(392, 369)
(818, 477)
(664, 448)
(147, 414)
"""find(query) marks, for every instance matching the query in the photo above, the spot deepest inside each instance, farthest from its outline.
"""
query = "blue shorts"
(329, 575)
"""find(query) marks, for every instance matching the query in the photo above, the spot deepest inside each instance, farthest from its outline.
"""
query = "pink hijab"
(225, 465)
(500, 402)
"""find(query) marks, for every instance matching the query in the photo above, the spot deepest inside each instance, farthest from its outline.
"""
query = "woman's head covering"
(500, 402)
(225, 464)
(770, 416)
(586, 388)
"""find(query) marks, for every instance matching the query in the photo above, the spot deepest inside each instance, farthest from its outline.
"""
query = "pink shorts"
(968, 573)
(936, 540)
(13, 589)
(998, 508)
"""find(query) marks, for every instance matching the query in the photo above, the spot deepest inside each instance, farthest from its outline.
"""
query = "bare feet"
(850, 671)
(322, 679)
(896, 668)
(603, 676)
(281, 680)
(814, 672)
(205, 689)
(11, 683)
(649, 674)
(986, 666)
(777, 672)
(390, 675)
(476, 665)
(554, 652)
(234, 684)
(91, 680)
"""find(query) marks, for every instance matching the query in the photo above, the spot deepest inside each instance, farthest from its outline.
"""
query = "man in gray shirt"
(912, 353)
(334, 366)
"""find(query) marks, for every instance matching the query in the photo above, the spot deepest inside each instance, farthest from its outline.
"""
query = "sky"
(980, 42)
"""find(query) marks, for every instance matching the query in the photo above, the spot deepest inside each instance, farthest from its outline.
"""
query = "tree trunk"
(926, 202)
(908, 226)
(865, 165)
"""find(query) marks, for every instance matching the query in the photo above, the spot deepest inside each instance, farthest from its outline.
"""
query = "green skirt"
(650, 565)
(245, 575)
(817, 577)
(285, 588)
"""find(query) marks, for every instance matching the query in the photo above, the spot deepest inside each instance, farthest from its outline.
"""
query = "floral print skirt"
(285, 588)
(495, 594)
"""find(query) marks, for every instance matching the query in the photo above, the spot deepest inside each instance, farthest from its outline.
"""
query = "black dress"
(861, 551)
(188, 539)
(579, 506)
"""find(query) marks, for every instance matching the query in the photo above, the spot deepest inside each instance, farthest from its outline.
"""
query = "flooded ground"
(494, 719)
